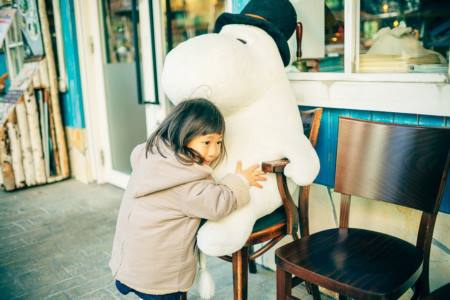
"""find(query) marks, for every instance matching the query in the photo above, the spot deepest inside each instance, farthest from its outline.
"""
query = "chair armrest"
(277, 167)
(274, 166)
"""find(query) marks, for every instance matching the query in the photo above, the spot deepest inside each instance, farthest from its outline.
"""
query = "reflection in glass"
(185, 19)
(323, 27)
(118, 31)
(404, 36)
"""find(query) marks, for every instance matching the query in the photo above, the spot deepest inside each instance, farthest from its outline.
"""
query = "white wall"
(425, 98)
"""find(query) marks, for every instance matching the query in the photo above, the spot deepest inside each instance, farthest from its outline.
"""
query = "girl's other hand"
(253, 174)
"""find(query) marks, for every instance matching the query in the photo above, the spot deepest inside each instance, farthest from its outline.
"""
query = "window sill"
(371, 77)
(371, 93)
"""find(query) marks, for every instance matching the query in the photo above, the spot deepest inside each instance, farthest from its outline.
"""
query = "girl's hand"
(253, 174)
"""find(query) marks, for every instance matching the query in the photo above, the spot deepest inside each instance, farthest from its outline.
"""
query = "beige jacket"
(154, 248)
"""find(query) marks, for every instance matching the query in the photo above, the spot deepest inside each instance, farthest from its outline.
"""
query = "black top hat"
(276, 17)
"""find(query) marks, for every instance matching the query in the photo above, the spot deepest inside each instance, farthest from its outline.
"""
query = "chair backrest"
(311, 123)
(405, 165)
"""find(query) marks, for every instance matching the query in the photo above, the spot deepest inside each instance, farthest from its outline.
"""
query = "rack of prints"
(29, 151)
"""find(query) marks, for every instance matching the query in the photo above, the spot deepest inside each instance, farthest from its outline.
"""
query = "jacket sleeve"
(213, 201)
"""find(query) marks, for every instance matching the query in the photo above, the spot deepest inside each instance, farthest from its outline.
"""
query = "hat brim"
(277, 35)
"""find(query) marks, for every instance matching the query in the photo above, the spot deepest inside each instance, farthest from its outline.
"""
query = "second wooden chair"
(403, 165)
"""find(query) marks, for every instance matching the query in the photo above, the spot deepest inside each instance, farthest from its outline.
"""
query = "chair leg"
(240, 273)
(308, 287)
(251, 263)
(422, 286)
(284, 284)
(252, 266)
(315, 291)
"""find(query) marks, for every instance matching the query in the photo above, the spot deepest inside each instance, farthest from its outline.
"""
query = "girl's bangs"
(215, 124)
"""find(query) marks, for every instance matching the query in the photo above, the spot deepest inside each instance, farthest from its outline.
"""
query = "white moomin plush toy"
(241, 70)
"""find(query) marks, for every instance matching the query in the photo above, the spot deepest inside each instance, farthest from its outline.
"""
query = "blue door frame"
(72, 100)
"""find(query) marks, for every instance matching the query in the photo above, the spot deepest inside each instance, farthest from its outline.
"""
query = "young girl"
(170, 190)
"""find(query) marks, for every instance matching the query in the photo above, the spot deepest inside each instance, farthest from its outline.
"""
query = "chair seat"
(357, 262)
(278, 216)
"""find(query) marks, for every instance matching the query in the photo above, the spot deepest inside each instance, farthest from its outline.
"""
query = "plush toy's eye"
(242, 41)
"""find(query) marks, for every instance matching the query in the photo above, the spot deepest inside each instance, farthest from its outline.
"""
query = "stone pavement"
(55, 243)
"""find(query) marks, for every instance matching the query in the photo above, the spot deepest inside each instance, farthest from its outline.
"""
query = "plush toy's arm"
(277, 167)
(304, 163)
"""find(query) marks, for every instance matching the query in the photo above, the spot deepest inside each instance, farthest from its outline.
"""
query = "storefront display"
(398, 50)
(30, 124)
(406, 36)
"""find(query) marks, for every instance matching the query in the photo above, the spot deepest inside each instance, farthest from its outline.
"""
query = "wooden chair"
(403, 165)
(273, 227)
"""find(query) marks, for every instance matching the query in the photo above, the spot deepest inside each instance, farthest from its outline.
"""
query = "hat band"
(256, 17)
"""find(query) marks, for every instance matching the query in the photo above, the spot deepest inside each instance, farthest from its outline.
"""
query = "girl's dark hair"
(189, 119)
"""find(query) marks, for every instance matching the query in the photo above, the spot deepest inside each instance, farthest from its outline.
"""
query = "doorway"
(122, 46)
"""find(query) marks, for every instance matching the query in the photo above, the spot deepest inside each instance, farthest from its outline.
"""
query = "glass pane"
(126, 118)
(404, 36)
(185, 19)
(322, 41)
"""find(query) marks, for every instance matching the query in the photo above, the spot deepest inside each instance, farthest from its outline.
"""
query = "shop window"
(184, 19)
(322, 37)
(404, 36)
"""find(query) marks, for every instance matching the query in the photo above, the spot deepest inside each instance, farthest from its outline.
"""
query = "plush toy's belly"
(254, 141)
(254, 144)
(267, 199)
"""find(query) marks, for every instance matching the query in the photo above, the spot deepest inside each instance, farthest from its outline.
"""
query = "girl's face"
(208, 146)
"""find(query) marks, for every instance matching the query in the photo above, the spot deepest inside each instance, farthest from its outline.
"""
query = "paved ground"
(55, 243)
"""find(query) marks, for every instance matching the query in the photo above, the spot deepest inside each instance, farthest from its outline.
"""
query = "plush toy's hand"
(301, 174)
